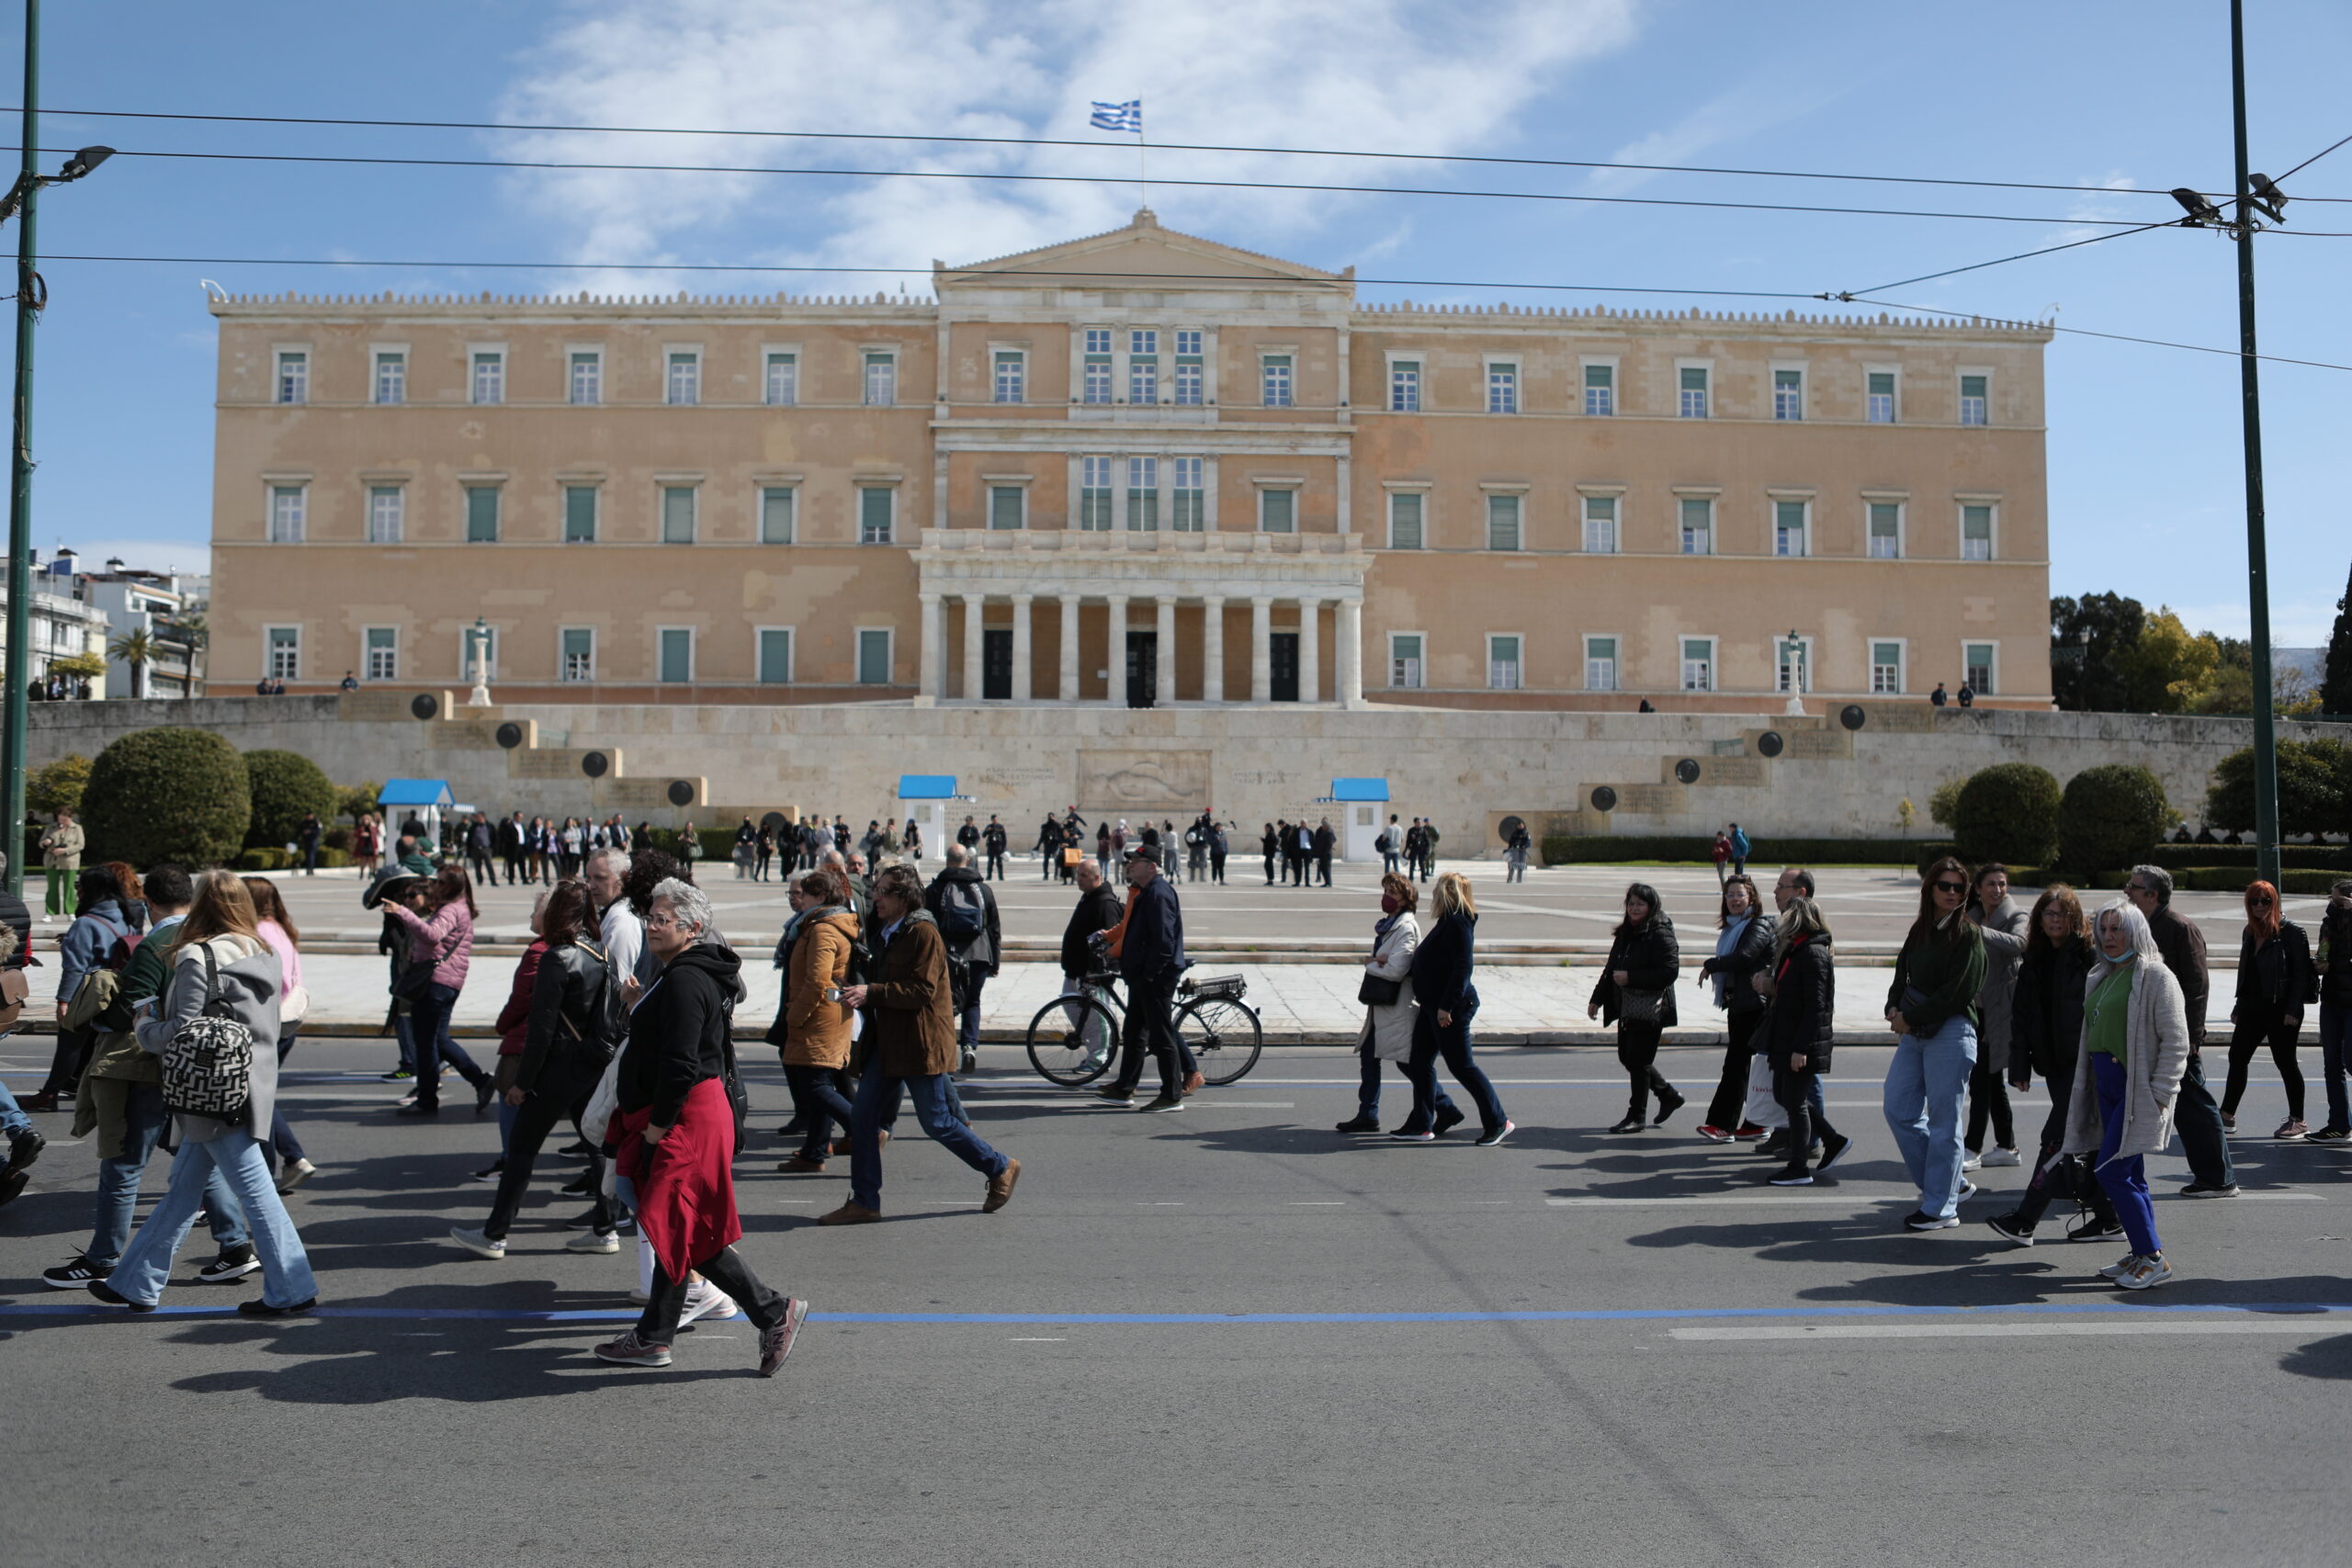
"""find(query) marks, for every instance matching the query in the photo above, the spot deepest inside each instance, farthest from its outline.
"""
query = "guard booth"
(1360, 809)
(930, 801)
(427, 800)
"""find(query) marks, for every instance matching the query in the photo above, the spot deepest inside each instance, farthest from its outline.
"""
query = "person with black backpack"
(960, 899)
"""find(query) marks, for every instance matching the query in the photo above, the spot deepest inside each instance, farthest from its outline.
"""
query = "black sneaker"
(579, 1186)
(26, 1147)
(234, 1263)
(489, 1172)
(1776, 1147)
(1790, 1176)
(2009, 1227)
(1833, 1149)
(579, 1148)
(2331, 1134)
(484, 1092)
(2210, 1190)
(398, 1075)
(259, 1308)
(106, 1293)
(1359, 1124)
(1920, 1220)
(73, 1276)
(1447, 1120)
(1493, 1135)
(2092, 1228)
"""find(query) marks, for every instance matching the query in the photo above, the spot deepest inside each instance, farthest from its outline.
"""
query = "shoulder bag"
(208, 1061)
(1379, 991)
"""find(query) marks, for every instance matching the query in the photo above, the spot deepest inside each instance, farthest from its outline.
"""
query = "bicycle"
(1074, 1039)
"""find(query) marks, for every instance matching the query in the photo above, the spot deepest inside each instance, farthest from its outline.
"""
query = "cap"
(1143, 851)
(390, 882)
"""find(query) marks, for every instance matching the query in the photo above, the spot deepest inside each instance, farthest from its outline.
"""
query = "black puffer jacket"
(2046, 1010)
(1652, 960)
(2275, 974)
(1805, 1008)
(1749, 956)
(2336, 935)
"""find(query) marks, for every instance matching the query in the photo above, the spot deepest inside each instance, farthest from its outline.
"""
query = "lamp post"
(478, 657)
(1792, 661)
(31, 294)
(2253, 189)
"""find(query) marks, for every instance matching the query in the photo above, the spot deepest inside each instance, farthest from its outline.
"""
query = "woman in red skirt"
(677, 1131)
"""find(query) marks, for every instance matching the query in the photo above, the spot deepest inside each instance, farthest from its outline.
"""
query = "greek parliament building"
(1140, 470)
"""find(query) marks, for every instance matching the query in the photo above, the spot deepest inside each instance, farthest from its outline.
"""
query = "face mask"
(1388, 903)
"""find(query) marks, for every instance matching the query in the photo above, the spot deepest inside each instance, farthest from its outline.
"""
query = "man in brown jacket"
(910, 1048)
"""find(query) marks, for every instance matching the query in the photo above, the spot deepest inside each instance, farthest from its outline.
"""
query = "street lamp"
(477, 658)
(31, 295)
(1792, 661)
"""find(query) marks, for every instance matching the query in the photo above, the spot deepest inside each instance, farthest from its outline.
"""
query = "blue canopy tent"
(927, 798)
(1361, 818)
(425, 799)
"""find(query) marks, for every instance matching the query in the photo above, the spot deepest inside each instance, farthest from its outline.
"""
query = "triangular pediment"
(1139, 254)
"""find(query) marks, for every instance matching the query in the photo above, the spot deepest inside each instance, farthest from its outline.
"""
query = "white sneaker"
(1973, 1161)
(2145, 1273)
(2121, 1266)
(1999, 1157)
(592, 1241)
(477, 1243)
(706, 1300)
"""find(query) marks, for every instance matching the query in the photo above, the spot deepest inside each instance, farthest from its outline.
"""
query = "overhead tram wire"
(2003, 261)
(2085, 331)
(2307, 164)
(1061, 141)
(1006, 177)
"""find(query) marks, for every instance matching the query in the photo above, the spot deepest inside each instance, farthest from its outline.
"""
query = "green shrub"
(715, 844)
(2314, 789)
(2111, 817)
(2008, 812)
(171, 794)
(1943, 806)
(285, 784)
(57, 787)
(264, 860)
(2233, 878)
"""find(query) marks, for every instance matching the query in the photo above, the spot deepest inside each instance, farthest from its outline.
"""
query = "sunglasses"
(2259, 902)
(1951, 886)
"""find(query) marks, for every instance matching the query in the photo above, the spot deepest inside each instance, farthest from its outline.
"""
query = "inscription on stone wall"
(549, 762)
(1143, 780)
(634, 794)
(1903, 718)
(379, 707)
(1819, 745)
(1650, 800)
(1739, 773)
(461, 734)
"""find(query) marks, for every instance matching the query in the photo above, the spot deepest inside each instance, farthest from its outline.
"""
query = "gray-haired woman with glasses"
(2135, 1047)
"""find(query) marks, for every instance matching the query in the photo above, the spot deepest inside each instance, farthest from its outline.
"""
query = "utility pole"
(2257, 562)
(20, 490)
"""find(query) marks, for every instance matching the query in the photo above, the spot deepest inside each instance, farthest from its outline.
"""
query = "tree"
(2083, 673)
(283, 786)
(2335, 683)
(137, 650)
(79, 665)
(2008, 812)
(176, 794)
(357, 801)
(2314, 789)
(57, 787)
(2165, 665)
(187, 633)
(1943, 807)
(2111, 817)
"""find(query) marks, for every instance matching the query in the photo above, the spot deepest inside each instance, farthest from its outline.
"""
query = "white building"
(154, 602)
(63, 626)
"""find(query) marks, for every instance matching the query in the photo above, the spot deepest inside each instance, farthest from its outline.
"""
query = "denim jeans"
(818, 1100)
(1453, 1042)
(2335, 1040)
(429, 1026)
(968, 1021)
(14, 1122)
(1926, 1085)
(145, 1267)
(2124, 1181)
(282, 1141)
(1368, 1087)
(877, 1101)
(119, 1180)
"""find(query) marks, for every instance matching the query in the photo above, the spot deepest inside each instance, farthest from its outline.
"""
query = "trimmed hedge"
(285, 784)
(266, 859)
(2110, 816)
(2008, 812)
(1606, 849)
(171, 794)
(2316, 857)
(715, 844)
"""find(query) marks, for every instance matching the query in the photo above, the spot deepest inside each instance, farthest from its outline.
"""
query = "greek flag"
(1119, 116)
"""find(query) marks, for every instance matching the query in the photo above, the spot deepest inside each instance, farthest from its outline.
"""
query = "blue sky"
(2144, 459)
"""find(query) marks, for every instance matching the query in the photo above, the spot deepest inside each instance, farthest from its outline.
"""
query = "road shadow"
(2321, 1358)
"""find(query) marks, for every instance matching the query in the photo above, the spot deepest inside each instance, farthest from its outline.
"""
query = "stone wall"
(1670, 773)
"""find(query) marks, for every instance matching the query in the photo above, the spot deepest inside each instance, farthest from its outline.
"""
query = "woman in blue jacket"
(1442, 969)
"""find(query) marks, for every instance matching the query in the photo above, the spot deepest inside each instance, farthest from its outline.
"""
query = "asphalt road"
(1227, 1337)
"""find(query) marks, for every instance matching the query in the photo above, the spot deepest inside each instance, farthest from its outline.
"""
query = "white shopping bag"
(1762, 1110)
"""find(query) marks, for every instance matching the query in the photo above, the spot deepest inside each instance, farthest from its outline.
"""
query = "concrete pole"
(1067, 689)
(1115, 691)
(1262, 645)
(1022, 604)
(1164, 659)
(1310, 650)
(933, 654)
(1350, 652)
(1212, 649)
(972, 647)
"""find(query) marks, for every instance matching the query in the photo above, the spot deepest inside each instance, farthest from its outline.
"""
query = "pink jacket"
(448, 940)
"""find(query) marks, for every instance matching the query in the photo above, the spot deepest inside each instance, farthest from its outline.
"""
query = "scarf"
(1727, 942)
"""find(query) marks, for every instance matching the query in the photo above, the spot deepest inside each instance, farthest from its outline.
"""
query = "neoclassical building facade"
(1142, 469)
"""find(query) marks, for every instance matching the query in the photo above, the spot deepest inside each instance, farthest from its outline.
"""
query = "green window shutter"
(482, 514)
(580, 514)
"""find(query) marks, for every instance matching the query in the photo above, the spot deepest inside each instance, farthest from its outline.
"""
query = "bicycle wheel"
(1224, 1036)
(1072, 1040)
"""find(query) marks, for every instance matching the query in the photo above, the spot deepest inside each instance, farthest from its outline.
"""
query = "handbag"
(294, 1005)
(208, 1061)
(1640, 1007)
(1378, 991)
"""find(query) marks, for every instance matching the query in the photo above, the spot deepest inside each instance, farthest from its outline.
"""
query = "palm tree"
(190, 632)
(137, 651)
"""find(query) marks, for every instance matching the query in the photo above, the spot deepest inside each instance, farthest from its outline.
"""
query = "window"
(1600, 525)
(1191, 380)
(381, 658)
(1404, 661)
(580, 514)
(1143, 495)
(881, 379)
(875, 504)
(287, 504)
(1094, 385)
(873, 657)
(282, 660)
(587, 385)
(1698, 664)
(293, 377)
(1887, 669)
(1976, 532)
(776, 656)
(685, 379)
(1886, 530)
(1881, 402)
(1278, 510)
(1694, 392)
(489, 376)
(1788, 527)
(1004, 506)
(384, 509)
(1976, 662)
(1098, 339)
(576, 653)
(1502, 389)
(392, 377)
(1094, 495)
(1601, 664)
(782, 388)
(677, 514)
(1143, 367)
(482, 514)
(1405, 519)
(1275, 369)
(1788, 394)
(1792, 663)
(1973, 408)
(1502, 521)
(1698, 525)
(776, 506)
(1502, 663)
(1011, 385)
(677, 655)
(1404, 386)
(1188, 500)
(1600, 390)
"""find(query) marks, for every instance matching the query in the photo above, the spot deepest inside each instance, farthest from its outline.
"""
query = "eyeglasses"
(2259, 902)
(1951, 886)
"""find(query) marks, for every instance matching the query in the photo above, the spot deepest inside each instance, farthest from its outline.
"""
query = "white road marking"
(986, 1102)
(1318, 1203)
(1855, 1200)
(1036, 1339)
(2316, 1323)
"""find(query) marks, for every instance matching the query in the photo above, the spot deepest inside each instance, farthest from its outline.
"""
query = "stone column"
(1164, 655)
(1022, 606)
(1310, 650)
(1262, 656)
(1069, 692)
(1212, 649)
(972, 656)
(933, 651)
(1350, 652)
(1115, 689)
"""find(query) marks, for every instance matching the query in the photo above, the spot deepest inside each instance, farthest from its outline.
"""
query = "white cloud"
(1392, 76)
(1755, 106)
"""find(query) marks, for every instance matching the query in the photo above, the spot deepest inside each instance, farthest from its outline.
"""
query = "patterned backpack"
(208, 1062)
